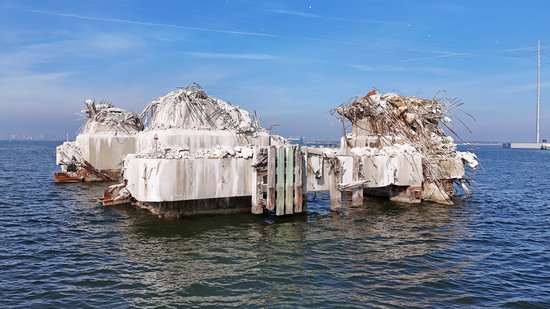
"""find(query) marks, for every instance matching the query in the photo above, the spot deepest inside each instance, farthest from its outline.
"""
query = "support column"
(257, 180)
(289, 181)
(280, 207)
(271, 176)
(357, 193)
(334, 180)
(304, 181)
(298, 191)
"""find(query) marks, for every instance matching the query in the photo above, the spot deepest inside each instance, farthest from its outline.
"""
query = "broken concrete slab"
(107, 135)
(401, 143)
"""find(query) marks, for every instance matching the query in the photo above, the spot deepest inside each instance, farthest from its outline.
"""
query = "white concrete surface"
(105, 150)
(166, 180)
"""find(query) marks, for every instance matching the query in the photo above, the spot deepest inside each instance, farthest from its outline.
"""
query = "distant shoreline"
(476, 143)
(480, 144)
(30, 140)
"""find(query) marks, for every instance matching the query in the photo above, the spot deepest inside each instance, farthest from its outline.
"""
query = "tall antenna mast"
(538, 95)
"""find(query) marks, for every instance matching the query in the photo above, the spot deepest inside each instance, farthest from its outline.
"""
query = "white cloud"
(111, 42)
(98, 45)
(438, 55)
(488, 53)
(150, 24)
(296, 13)
(346, 20)
(26, 91)
(43, 77)
(243, 56)
(443, 6)
(523, 88)
(388, 68)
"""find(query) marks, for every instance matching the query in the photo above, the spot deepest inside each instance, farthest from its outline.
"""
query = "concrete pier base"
(214, 206)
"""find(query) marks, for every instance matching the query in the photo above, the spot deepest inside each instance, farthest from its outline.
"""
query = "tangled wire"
(192, 108)
(414, 120)
(104, 117)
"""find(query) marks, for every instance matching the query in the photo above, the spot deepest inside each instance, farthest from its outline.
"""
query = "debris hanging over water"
(381, 120)
(75, 168)
(103, 140)
(192, 108)
(68, 156)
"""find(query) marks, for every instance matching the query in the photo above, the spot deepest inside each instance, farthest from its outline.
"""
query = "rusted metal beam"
(298, 188)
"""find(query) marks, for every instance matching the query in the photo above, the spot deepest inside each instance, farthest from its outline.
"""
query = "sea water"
(59, 247)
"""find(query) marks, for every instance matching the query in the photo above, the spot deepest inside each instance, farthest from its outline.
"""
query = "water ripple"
(61, 248)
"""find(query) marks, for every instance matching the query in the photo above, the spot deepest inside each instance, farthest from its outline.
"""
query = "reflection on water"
(60, 247)
(245, 259)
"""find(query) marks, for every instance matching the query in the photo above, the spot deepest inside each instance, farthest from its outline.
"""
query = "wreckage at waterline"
(107, 135)
(189, 153)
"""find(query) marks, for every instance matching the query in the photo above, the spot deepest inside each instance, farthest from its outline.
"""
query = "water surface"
(60, 248)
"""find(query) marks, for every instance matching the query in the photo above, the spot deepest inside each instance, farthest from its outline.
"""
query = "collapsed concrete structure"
(397, 149)
(194, 157)
(107, 136)
(202, 155)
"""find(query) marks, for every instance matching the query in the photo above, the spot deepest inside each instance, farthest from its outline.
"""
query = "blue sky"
(290, 61)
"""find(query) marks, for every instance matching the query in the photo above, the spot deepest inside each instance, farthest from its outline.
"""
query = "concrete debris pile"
(385, 151)
(68, 157)
(469, 158)
(194, 148)
(107, 135)
(192, 108)
(188, 118)
(202, 155)
(217, 151)
(104, 117)
(408, 126)
(75, 168)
